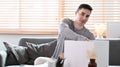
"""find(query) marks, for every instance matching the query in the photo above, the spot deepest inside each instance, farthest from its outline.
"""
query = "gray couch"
(47, 50)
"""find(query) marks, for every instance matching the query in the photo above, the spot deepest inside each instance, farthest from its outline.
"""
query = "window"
(43, 16)
(29, 16)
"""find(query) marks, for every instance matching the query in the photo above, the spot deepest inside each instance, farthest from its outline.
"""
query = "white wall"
(14, 39)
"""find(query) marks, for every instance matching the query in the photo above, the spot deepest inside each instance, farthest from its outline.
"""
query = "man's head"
(82, 14)
(85, 6)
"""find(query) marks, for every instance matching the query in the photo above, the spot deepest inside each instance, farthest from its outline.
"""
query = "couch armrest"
(3, 56)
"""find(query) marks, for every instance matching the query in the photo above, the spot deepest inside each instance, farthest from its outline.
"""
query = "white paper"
(76, 53)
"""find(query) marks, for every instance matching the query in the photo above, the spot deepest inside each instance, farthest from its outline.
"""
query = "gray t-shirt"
(83, 32)
(68, 32)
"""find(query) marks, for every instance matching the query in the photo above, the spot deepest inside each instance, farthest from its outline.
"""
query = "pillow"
(18, 51)
(43, 50)
(11, 60)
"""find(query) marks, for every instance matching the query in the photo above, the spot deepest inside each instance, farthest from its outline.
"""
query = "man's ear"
(75, 12)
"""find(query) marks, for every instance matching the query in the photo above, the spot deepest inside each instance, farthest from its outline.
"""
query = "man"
(74, 29)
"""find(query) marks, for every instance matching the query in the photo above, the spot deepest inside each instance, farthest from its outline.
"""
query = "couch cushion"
(37, 50)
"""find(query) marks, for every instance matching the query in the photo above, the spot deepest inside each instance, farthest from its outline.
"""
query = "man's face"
(82, 16)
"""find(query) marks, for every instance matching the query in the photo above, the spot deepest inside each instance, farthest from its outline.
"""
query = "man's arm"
(68, 33)
(65, 33)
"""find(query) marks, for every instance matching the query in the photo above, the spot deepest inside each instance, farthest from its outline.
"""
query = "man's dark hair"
(85, 6)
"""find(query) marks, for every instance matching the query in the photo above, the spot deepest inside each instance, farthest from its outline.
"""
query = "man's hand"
(86, 39)
(61, 56)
